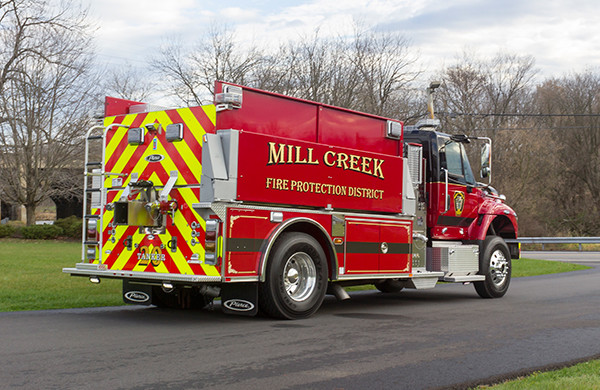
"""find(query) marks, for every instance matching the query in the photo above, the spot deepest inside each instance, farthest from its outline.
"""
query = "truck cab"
(457, 209)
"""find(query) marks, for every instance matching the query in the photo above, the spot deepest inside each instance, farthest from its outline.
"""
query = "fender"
(488, 212)
(287, 226)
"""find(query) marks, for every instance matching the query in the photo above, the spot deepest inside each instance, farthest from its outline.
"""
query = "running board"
(463, 278)
(424, 280)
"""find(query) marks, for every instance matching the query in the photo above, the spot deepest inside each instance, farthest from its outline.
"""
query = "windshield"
(454, 158)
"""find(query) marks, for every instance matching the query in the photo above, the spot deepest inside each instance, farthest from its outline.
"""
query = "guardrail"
(556, 240)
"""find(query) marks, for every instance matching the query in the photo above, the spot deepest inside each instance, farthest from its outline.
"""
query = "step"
(464, 278)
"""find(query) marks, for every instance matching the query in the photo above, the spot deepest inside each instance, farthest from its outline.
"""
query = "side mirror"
(486, 160)
(485, 172)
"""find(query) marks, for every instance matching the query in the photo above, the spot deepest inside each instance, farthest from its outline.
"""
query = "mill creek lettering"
(293, 154)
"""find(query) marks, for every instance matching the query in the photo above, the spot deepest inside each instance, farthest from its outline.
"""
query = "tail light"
(92, 230)
(91, 253)
(91, 239)
(211, 256)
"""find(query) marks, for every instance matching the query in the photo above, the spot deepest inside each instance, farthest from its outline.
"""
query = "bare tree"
(481, 94)
(575, 141)
(371, 71)
(128, 82)
(45, 100)
(191, 74)
(275, 71)
(385, 67)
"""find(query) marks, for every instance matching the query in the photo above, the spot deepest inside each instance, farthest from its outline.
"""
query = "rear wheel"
(495, 264)
(296, 278)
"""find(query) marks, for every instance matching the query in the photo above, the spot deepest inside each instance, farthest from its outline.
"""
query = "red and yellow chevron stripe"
(129, 248)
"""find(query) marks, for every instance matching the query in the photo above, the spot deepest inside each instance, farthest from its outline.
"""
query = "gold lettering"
(342, 159)
(298, 161)
(276, 156)
(326, 158)
(366, 165)
(354, 162)
(290, 154)
(377, 171)
(310, 157)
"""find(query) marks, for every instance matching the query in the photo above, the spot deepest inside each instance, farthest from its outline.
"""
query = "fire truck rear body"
(270, 201)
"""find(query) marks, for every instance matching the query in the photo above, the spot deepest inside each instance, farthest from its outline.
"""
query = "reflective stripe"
(154, 160)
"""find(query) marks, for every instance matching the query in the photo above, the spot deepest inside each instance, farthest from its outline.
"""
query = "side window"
(454, 158)
(469, 177)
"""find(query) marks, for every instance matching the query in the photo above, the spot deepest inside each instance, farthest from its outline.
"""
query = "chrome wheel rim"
(498, 268)
(299, 276)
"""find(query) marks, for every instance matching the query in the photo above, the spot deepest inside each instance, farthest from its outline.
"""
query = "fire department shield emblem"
(459, 202)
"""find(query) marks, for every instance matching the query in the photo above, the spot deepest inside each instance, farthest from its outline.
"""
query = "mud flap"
(240, 299)
(137, 294)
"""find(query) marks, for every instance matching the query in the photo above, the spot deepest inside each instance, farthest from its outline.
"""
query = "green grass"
(532, 267)
(31, 278)
(583, 376)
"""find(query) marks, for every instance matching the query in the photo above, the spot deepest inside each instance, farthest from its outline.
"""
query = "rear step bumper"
(83, 269)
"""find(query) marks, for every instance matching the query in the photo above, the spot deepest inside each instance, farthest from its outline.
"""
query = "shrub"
(71, 226)
(6, 231)
(41, 232)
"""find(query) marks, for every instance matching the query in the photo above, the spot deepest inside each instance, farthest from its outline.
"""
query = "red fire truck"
(270, 202)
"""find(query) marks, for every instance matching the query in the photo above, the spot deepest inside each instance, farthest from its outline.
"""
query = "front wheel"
(296, 278)
(495, 264)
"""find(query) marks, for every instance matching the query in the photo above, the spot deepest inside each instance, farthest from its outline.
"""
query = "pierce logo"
(154, 158)
(238, 305)
(137, 296)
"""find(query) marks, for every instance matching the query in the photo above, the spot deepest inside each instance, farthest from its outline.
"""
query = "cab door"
(459, 198)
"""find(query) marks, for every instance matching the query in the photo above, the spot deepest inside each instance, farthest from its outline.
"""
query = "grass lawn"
(531, 267)
(31, 278)
(582, 376)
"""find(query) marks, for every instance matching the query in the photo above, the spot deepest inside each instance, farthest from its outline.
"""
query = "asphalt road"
(415, 339)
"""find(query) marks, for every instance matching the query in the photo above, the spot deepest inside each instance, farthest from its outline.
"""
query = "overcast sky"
(563, 36)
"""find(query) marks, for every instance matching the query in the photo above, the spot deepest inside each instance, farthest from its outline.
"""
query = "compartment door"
(395, 247)
(378, 246)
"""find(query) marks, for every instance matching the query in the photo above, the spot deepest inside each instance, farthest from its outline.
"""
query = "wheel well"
(503, 227)
(317, 232)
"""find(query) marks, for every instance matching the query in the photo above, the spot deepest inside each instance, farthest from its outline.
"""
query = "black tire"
(495, 264)
(296, 278)
(389, 285)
